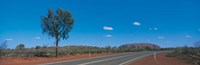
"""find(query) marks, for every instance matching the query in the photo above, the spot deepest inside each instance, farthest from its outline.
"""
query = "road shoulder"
(161, 59)
(42, 60)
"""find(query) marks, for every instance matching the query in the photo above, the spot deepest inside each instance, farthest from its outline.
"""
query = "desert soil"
(161, 60)
(41, 60)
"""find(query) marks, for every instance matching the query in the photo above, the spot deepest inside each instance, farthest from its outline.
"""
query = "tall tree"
(20, 47)
(57, 26)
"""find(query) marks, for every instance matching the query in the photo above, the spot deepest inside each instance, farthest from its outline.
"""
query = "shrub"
(189, 54)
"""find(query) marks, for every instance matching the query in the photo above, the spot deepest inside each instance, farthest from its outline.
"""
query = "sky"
(168, 23)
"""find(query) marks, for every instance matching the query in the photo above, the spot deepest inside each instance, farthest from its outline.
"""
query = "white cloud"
(8, 39)
(161, 37)
(136, 24)
(37, 37)
(108, 35)
(188, 36)
(153, 28)
(107, 28)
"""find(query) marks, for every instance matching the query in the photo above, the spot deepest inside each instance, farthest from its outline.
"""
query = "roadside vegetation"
(45, 51)
(189, 54)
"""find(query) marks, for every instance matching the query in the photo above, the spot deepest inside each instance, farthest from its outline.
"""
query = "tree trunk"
(56, 47)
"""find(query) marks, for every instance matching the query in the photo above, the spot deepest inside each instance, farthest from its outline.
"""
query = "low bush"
(189, 54)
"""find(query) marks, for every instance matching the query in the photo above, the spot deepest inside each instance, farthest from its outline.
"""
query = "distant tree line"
(139, 47)
(45, 51)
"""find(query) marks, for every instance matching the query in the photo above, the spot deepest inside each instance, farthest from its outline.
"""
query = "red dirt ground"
(40, 60)
(161, 60)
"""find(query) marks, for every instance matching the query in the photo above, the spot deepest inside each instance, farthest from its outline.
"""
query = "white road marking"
(134, 59)
(76, 60)
(103, 60)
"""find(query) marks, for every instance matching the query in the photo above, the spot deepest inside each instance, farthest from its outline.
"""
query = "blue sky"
(168, 23)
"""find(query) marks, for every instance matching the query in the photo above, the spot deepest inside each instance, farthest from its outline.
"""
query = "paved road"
(116, 59)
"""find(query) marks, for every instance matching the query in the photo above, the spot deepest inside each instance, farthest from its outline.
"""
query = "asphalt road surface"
(116, 59)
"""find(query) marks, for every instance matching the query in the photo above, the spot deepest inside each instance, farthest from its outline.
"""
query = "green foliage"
(37, 47)
(139, 47)
(190, 54)
(108, 48)
(41, 51)
(45, 51)
(20, 50)
(167, 49)
(20, 47)
(58, 25)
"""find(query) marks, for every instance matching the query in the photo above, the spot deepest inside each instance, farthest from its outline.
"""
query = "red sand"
(161, 60)
(40, 60)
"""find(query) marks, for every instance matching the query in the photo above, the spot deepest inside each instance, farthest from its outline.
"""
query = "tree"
(57, 26)
(148, 48)
(108, 48)
(3, 46)
(37, 47)
(20, 47)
